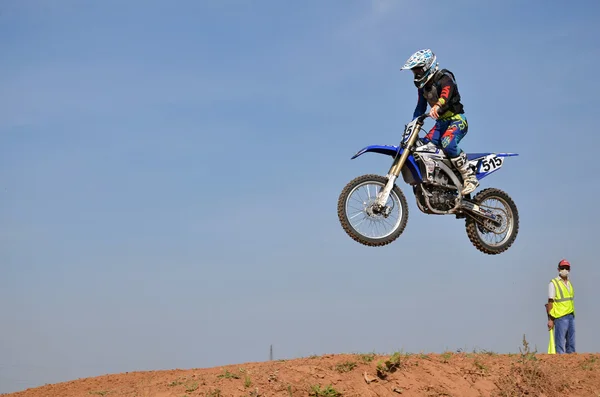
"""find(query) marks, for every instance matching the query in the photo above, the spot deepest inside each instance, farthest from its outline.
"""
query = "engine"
(439, 188)
(441, 198)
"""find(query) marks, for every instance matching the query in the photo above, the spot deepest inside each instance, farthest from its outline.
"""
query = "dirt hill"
(449, 374)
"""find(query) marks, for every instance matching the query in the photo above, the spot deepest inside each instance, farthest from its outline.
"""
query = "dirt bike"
(437, 187)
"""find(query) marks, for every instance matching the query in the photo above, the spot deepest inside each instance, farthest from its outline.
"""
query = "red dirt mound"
(398, 374)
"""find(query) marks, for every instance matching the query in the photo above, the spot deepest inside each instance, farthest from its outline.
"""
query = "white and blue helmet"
(423, 64)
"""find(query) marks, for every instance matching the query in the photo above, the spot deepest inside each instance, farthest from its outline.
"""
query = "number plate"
(490, 163)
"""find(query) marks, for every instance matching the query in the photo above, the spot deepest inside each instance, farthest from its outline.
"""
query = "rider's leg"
(450, 139)
(435, 133)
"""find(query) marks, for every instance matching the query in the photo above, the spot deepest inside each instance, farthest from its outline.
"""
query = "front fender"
(392, 151)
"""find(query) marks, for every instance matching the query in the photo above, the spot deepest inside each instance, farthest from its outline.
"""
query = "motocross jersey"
(442, 91)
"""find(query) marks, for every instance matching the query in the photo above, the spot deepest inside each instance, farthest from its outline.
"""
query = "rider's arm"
(448, 88)
(421, 105)
(550, 303)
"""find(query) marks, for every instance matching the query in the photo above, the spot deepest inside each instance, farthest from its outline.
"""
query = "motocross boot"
(470, 182)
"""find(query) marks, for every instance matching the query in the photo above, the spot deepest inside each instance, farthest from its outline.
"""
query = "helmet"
(423, 64)
(564, 262)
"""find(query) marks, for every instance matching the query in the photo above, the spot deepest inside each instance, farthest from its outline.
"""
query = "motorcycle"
(436, 185)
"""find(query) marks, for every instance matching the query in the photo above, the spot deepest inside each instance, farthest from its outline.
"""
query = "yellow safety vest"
(563, 298)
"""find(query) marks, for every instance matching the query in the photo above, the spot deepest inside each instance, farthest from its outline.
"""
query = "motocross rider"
(438, 88)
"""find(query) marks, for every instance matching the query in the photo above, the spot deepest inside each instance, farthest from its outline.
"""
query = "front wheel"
(355, 210)
(503, 234)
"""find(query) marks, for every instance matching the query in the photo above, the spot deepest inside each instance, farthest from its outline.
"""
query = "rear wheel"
(365, 223)
(503, 234)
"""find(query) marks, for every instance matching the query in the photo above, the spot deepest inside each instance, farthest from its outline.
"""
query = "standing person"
(561, 309)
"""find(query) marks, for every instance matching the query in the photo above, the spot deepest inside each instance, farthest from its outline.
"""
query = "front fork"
(397, 165)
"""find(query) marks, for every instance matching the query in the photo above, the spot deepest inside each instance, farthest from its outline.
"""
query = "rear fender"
(487, 163)
(410, 171)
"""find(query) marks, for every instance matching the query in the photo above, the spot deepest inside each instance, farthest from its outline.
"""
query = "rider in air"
(438, 88)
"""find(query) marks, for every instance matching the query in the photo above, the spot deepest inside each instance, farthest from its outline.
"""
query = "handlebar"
(422, 117)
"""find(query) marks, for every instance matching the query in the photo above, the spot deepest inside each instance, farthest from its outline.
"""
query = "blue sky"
(170, 172)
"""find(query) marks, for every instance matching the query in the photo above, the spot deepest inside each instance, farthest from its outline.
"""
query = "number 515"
(493, 163)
